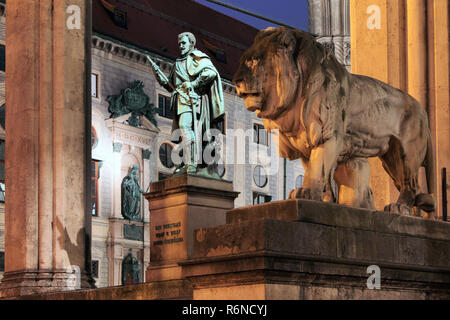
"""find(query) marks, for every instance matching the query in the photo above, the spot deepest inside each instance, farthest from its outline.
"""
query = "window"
(163, 176)
(95, 175)
(2, 116)
(2, 170)
(2, 58)
(259, 176)
(2, 261)
(299, 181)
(259, 198)
(164, 107)
(165, 155)
(94, 138)
(94, 268)
(260, 135)
(220, 124)
(94, 85)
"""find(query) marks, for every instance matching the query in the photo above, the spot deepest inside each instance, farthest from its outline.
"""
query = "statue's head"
(186, 42)
(134, 169)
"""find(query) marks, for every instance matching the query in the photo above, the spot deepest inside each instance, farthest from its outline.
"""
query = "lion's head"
(272, 72)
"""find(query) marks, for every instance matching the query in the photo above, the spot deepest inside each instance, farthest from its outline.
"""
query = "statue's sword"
(197, 141)
(163, 78)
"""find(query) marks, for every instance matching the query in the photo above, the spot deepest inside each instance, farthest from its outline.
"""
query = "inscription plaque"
(133, 232)
(168, 233)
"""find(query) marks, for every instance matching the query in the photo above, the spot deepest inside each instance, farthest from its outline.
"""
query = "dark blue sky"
(290, 12)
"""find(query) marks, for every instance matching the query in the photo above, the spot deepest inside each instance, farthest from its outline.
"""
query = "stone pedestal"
(290, 250)
(178, 206)
(299, 249)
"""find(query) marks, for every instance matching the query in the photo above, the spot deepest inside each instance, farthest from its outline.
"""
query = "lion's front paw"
(399, 208)
(301, 193)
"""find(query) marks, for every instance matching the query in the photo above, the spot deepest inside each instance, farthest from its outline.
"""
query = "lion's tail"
(426, 202)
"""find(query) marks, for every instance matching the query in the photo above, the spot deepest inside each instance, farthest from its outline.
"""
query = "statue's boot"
(191, 166)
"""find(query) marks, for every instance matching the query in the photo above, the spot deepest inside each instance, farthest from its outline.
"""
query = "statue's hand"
(187, 86)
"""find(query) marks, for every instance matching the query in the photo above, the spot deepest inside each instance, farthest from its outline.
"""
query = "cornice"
(137, 55)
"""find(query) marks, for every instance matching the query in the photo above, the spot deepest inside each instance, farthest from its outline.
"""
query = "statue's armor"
(183, 106)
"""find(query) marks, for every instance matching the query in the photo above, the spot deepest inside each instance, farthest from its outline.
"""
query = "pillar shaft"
(417, 49)
(405, 43)
(438, 86)
(45, 150)
(46, 223)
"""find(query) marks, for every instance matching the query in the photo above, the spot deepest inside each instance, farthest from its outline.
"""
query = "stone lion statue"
(334, 120)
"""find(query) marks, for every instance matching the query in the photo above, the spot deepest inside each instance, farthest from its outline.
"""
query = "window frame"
(303, 180)
(97, 85)
(166, 110)
(168, 157)
(3, 47)
(257, 128)
(2, 261)
(259, 176)
(95, 178)
(94, 131)
(267, 198)
(2, 164)
(95, 275)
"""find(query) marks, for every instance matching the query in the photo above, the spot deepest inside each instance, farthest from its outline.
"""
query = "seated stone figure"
(334, 120)
(131, 195)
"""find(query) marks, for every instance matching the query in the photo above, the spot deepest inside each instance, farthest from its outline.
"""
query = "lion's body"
(332, 119)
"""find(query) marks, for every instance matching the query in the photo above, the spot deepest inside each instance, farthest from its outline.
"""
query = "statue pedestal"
(289, 250)
(178, 206)
(301, 249)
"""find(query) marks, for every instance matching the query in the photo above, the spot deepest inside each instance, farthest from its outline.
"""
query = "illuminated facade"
(118, 59)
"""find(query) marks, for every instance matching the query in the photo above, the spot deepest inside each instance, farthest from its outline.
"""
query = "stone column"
(438, 90)
(372, 56)
(405, 43)
(47, 216)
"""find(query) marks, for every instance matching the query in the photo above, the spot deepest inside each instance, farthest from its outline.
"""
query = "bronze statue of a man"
(197, 98)
(131, 195)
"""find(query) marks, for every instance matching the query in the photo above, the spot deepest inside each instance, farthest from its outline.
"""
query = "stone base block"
(178, 206)
(300, 249)
(16, 284)
(162, 290)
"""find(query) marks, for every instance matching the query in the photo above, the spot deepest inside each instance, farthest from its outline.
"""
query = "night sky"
(290, 12)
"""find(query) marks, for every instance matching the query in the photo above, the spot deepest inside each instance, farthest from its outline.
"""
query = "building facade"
(119, 46)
